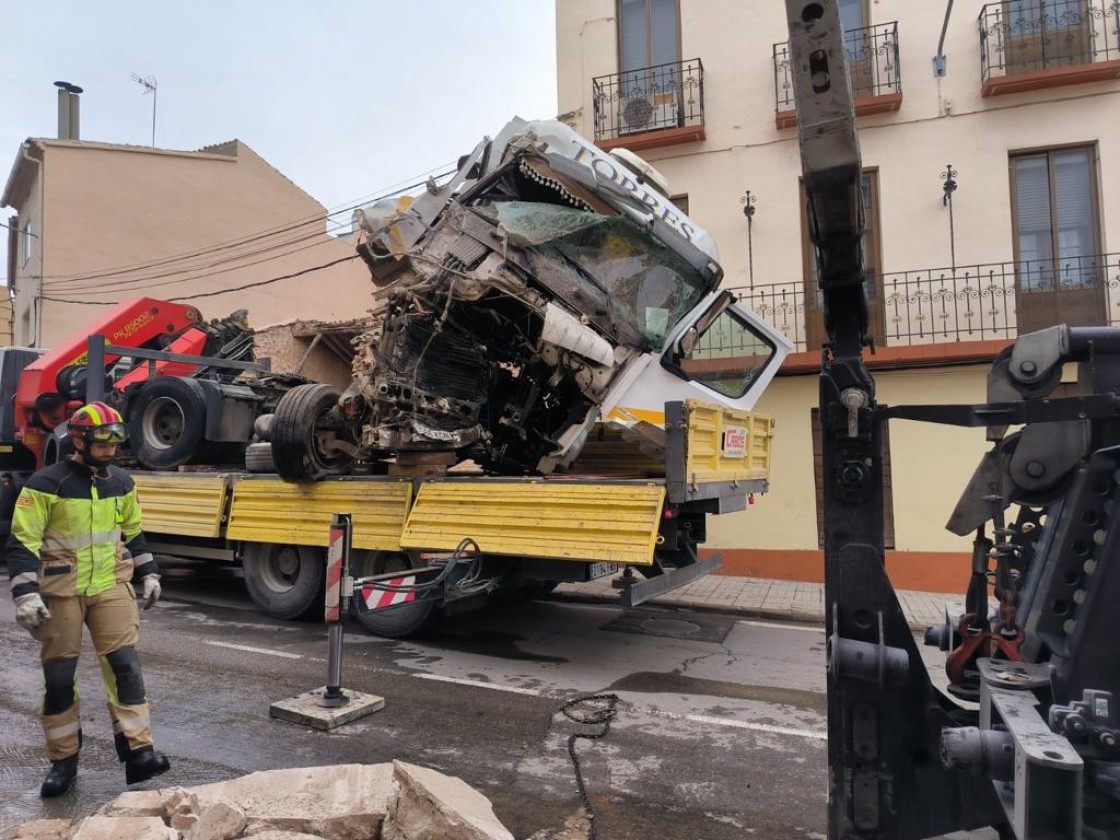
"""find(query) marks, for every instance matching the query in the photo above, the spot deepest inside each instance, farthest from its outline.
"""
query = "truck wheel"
(402, 620)
(298, 437)
(166, 422)
(258, 458)
(285, 581)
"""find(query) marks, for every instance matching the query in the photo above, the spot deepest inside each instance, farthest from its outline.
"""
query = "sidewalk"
(777, 600)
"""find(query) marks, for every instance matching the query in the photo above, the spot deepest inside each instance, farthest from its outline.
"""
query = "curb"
(791, 615)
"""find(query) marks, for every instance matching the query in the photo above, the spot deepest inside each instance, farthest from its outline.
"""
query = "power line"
(137, 289)
(220, 291)
(395, 189)
(145, 280)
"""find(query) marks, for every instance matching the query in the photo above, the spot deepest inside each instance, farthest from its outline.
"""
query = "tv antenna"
(150, 86)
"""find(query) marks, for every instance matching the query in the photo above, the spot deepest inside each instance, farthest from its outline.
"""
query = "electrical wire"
(251, 238)
(220, 291)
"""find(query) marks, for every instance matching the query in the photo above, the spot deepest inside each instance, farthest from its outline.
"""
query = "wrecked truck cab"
(546, 286)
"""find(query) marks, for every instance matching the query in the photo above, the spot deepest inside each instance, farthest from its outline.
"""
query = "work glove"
(31, 611)
(150, 590)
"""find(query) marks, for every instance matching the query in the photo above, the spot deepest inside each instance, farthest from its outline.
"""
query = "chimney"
(68, 111)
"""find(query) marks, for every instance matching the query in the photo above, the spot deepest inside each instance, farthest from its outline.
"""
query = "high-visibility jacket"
(76, 532)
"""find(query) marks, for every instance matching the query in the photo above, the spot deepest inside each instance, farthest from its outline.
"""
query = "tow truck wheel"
(285, 581)
(166, 422)
(300, 437)
(401, 620)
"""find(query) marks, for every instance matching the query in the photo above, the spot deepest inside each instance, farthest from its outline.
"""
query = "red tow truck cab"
(51, 386)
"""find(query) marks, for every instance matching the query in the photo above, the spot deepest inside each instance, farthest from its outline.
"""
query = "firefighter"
(68, 567)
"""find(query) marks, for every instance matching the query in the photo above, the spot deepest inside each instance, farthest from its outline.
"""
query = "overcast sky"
(344, 97)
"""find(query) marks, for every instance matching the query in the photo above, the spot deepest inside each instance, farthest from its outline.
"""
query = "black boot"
(144, 764)
(60, 778)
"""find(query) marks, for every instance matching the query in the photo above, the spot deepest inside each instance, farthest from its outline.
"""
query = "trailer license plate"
(598, 570)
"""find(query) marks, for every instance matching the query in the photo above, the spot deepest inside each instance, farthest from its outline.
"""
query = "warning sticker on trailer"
(380, 599)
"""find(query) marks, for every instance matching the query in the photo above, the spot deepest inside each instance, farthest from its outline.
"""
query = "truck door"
(727, 354)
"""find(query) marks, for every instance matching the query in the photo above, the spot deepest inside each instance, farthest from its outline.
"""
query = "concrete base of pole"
(307, 710)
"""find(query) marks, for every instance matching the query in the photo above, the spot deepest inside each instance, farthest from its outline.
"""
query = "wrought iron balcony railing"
(1023, 36)
(873, 68)
(650, 99)
(970, 303)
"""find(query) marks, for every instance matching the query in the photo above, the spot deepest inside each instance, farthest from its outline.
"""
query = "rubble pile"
(395, 801)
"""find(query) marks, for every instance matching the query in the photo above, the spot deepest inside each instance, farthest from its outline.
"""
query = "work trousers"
(114, 627)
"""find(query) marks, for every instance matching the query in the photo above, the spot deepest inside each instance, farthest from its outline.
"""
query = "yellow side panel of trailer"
(564, 520)
(727, 445)
(187, 504)
(270, 510)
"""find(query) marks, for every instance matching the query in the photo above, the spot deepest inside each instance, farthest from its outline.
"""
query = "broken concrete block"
(338, 802)
(134, 803)
(272, 834)
(430, 804)
(218, 822)
(180, 807)
(183, 822)
(43, 830)
(124, 828)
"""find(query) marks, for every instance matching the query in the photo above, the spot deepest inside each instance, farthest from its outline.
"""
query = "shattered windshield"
(627, 282)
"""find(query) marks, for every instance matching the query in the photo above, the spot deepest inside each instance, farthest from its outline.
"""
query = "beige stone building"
(1017, 112)
(98, 223)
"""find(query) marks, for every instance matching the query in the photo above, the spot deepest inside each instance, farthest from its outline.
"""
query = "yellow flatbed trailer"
(530, 533)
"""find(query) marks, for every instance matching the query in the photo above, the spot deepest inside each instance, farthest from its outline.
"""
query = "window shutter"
(1032, 194)
(1071, 182)
(634, 40)
(664, 23)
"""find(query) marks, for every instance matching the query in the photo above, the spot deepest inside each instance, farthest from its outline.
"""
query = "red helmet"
(98, 423)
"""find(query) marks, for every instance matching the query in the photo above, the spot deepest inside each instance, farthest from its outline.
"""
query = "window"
(649, 54)
(818, 474)
(25, 241)
(728, 356)
(1057, 267)
(648, 33)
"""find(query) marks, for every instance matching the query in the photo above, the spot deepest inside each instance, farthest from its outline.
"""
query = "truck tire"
(258, 458)
(397, 622)
(285, 581)
(296, 450)
(166, 422)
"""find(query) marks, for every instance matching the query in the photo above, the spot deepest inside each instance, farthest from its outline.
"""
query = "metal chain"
(595, 716)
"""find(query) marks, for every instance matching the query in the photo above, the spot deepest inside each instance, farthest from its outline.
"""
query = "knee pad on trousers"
(126, 669)
(59, 678)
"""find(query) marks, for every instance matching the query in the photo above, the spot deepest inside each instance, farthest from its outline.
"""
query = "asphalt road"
(719, 733)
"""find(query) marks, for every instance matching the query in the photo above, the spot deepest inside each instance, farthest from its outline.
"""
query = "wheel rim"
(164, 423)
(280, 569)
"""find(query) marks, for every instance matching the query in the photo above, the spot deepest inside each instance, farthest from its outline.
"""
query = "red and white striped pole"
(339, 589)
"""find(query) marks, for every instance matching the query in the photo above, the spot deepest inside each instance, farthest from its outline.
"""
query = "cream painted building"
(97, 223)
(1022, 126)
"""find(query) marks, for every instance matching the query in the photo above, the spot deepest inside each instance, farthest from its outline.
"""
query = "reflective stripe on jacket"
(67, 529)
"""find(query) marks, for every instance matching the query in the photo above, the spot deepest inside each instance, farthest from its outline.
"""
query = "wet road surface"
(719, 734)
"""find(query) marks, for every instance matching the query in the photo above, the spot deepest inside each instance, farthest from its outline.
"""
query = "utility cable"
(250, 238)
(219, 291)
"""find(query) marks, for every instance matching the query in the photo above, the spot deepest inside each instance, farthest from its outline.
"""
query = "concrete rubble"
(395, 801)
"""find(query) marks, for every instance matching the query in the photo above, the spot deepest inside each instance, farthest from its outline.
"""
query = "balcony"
(873, 69)
(966, 305)
(1034, 44)
(651, 107)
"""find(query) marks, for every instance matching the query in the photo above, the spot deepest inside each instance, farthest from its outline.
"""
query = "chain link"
(597, 715)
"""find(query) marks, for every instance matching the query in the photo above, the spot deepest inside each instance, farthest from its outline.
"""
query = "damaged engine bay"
(516, 305)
